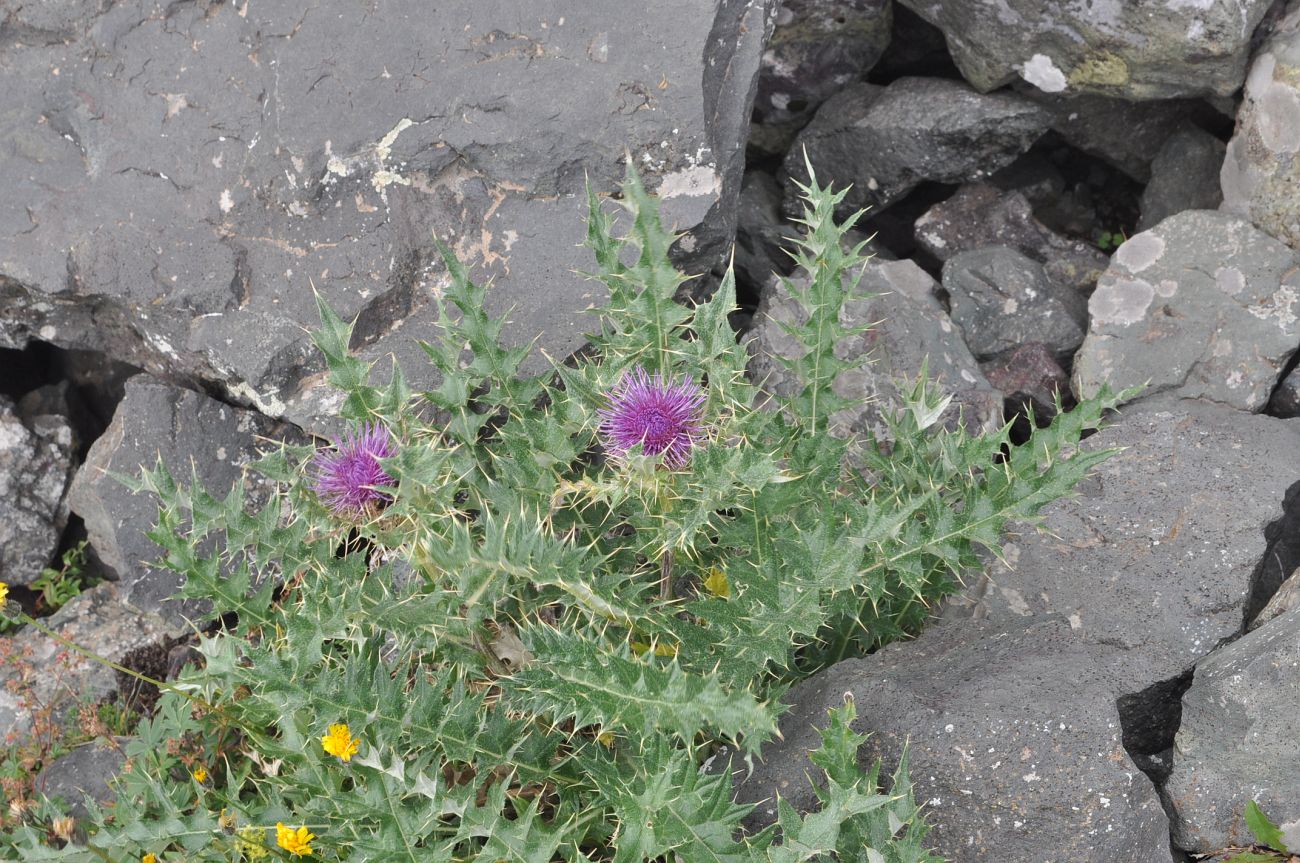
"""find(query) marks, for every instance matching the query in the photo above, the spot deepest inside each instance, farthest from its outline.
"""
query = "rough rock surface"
(913, 329)
(183, 428)
(82, 773)
(1142, 49)
(1029, 375)
(35, 469)
(817, 48)
(97, 620)
(1156, 555)
(980, 215)
(1286, 397)
(1126, 134)
(1014, 742)
(1203, 305)
(1259, 176)
(1002, 300)
(1240, 741)
(884, 141)
(1286, 598)
(188, 172)
(1184, 176)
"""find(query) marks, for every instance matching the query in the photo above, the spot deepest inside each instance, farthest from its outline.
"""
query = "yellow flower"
(4, 592)
(296, 842)
(251, 843)
(340, 742)
(148, 858)
(200, 774)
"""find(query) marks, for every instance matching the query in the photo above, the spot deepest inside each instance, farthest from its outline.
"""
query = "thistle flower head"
(348, 475)
(663, 416)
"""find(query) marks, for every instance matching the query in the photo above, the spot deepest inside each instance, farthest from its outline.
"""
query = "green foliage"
(1266, 833)
(537, 649)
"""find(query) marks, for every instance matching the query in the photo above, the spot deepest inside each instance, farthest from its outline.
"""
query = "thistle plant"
(528, 652)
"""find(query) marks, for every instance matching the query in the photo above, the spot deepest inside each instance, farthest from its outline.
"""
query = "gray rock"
(1259, 173)
(35, 469)
(1146, 49)
(1156, 555)
(187, 431)
(817, 48)
(980, 215)
(1285, 401)
(192, 173)
(1202, 305)
(1184, 176)
(885, 141)
(1239, 741)
(80, 774)
(913, 329)
(1124, 133)
(1286, 598)
(1014, 741)
(1002, 300)
(98, 620)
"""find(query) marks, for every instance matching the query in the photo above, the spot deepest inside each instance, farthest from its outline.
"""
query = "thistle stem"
(666, 576)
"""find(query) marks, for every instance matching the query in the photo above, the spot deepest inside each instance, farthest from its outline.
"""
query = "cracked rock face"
(887, 140)
(912, 328)
(1204, 305)
(156, 420)
(1259, 175)
(1240, 741)
(191, 172)
(1014, 743)
(1138, 49)
(36, 465)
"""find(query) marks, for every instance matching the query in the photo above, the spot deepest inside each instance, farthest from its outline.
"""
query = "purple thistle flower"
(347, 475)
(662, 416)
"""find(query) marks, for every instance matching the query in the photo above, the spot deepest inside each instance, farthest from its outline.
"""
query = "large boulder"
(1159, 553)
(1203, 306)
(911, 332)
(36, 465)
(1240, 741)
(187, 431)
(887, 140)
(189, 173)
(1015, 746)
(1259, 175)
(1141, 49)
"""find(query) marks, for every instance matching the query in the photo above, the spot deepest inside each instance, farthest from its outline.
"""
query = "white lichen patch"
(1280, 307)
(1140, 252)
(1120, 301)
(1040, 71)
(1230, 280)
(225, 202)
(691, 182)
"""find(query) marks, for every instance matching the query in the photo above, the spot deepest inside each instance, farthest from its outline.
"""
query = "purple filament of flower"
(662, 416)
(348, 475)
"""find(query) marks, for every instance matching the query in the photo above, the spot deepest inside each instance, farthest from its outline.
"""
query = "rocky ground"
(1062, 195)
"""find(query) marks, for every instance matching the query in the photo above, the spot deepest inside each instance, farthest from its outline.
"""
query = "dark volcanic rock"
(1202, 305)
(912, 329)
(1002, 300)
(1184, 176)
(1014, 741)
(885, 141)
(188, 173)
(1140, 49)
(185, 429)
(817, 48)
(762, 231)
(1029, 375)
(1240, 741)
(35, 469)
